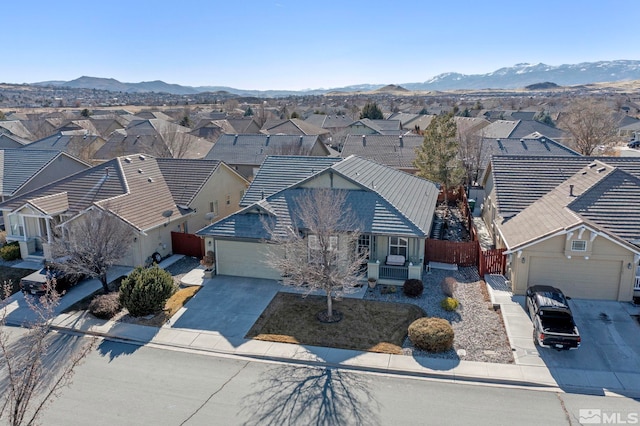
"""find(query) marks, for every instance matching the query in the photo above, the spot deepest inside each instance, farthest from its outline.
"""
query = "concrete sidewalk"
(529, 368)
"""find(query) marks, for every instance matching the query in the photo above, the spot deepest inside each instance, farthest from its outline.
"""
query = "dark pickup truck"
(553, 325)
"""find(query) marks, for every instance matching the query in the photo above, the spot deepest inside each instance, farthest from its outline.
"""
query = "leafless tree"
(290, 148)
(35, 368)
(319, 249)
(590, 124)
(470, 145)
(93, 242)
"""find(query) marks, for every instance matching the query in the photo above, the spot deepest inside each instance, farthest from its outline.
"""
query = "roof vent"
(364, 140)
(142, 157)
(571, 191)
(267, 141)
(500, 144)
(401, 142)
(592, 165)
(106, 171)
(127, 159)
(602, 169)
(139, 170)
(149, 179)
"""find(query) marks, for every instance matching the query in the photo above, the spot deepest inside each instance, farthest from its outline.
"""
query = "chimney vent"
(571, 191)
(364, 140)
(401, 142)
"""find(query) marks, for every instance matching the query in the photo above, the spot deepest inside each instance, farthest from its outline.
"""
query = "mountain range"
(515, 77)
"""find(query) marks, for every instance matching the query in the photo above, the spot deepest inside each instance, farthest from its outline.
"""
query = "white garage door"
(243, 259)
(579, 278)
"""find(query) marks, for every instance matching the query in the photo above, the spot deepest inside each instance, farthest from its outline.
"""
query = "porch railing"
(400, 273)
(636, 286)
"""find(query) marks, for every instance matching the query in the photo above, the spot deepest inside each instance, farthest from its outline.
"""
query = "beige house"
(155, 196)
(582, 236)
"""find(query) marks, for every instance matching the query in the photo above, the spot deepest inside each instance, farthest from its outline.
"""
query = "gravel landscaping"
(479, 331)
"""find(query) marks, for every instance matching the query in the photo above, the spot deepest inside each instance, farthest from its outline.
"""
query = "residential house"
(395, 210)
(245, 153)
(77, 143)
(570, 221)
(398, 152)
(154, 137)
(16, 128)
(11, 141)
(156, 197)
(296, 126)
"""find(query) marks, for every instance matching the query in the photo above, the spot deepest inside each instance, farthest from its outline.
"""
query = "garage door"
(243, 259)
(579, 278)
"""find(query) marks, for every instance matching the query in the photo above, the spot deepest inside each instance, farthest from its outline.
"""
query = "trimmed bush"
(431, 334)
(413, 287)
(10, 251)
(146, 290)
(448, 286)
(449, 304)
(105, 306)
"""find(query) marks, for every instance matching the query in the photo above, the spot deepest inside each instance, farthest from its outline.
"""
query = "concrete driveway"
(227, 305)
(610, 338)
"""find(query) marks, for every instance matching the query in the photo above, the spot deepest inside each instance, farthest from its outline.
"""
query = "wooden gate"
(491, 262)
(187, 244)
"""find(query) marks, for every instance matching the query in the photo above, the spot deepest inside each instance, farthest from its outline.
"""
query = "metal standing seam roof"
(18, 166)
(519, 181)
(252, 149)
(398, 204)
(279, 172)
(392, 151)
(600, 195)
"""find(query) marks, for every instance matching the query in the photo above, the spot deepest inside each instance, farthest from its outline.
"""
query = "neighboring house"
(296, 126)
(366, 126)
(156, 137)
(571, 222)
(532, 145)
(245, 153)
(77, 143)
(11, 141)
(332, 123)
(395, 210)
(398, 152)
(16, 128)
(155, 196)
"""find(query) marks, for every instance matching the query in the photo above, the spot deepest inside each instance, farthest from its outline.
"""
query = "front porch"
(391, 274)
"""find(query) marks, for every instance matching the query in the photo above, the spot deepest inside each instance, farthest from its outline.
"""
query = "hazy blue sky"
(284, 44)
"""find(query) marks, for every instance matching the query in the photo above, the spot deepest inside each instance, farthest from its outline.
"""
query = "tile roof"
(328, 121)
(526, 127)
(393, 151)
(136, 188)
(389, 202)
(11, 141)
(52, 204)
(498, 129)
(519, 181)
(17, 128)
(71, 142)
(18, 166)
(252, 149)
(598, 194)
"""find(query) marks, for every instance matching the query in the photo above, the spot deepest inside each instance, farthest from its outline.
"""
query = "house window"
(398, 246)
(213, 208)
(16, 226)
(578, 245)
(365, 245)
(228, 199)
(315, 248)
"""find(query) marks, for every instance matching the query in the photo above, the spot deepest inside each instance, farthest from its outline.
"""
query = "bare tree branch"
(590, 124)
(92, 243)
(319, 249)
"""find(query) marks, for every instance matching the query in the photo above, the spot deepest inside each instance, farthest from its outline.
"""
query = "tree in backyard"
(437, 159)
(92, 243)
(318, 250)
(35, 364)
(470, 149)
(590, 124)
(85, 113)
(371, 111)
(248, 112)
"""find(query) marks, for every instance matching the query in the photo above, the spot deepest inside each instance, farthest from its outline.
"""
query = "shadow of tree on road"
(312, 395)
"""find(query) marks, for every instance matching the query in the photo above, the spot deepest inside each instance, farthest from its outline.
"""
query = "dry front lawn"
(366, 326)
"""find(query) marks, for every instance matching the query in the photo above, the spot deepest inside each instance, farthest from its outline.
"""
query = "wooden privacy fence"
(491, 262)
(460, 253)
(187, 244)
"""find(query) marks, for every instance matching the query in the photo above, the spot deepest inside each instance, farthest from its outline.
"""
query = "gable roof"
(18, 166)
(153, 137)
(252, 149)
(278, 172)
(598, 195)
(393, 151)
(519, 181)
(17, 128)
(293, 126)
(72, 142)
(8, 140)
(138, 189)
(387, 202)
(383, 127)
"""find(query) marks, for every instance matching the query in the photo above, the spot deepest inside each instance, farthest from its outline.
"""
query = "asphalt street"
(125, 384)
